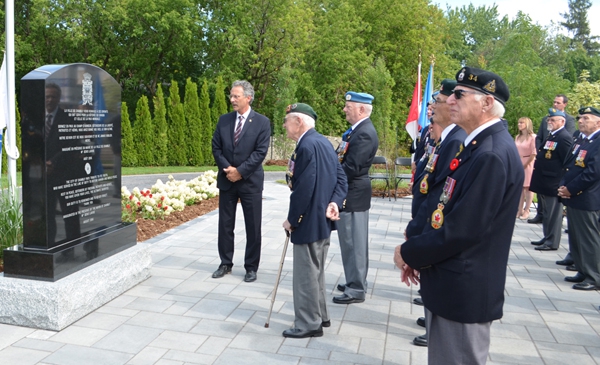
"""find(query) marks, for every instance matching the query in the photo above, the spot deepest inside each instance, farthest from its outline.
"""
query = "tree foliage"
(206, 125)
(143, 133)
(128, 150)
(176, 129)
(195, 154)
(160, 128)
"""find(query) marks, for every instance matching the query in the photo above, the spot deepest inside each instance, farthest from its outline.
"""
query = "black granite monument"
(71, 133)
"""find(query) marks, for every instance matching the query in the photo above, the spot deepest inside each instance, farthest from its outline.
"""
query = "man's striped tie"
(238, 131)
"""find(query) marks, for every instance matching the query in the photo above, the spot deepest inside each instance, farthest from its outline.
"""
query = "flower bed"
(163, 198)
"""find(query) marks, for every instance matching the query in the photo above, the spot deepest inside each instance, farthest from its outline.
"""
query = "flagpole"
(10, 70)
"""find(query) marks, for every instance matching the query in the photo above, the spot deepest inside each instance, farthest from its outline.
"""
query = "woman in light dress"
(525, 142)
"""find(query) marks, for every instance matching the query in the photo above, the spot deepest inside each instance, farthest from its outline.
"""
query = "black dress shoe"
(298, 333)
(565, 262)
(421, 321)
(537, 243)
(545, 248)
(420, 340)
(567, 230)
(341, 287)
(326, 324)
(221, 271)
(418, 301)
(250, 276)
(585, 286)
(578, 278)
(346, 299)
(571, 268)
(536, 219)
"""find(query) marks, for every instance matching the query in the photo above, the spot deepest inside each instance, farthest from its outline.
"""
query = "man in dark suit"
(356, 153)
(318, 186)
(448, 138)
(60, 167)
(580, 192)
(239, 145)
(547, 173)
(460, 257)
(560, 103)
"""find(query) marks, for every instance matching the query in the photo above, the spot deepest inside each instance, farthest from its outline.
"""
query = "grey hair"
(497, 109)
(368, 109)
(246, 86)
(307, 120)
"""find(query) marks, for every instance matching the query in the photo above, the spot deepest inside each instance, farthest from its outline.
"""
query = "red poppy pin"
(454, 164)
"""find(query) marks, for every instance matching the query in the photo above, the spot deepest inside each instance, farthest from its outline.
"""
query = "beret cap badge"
(490, 86)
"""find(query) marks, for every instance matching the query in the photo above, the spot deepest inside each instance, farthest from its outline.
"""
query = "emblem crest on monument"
(87, 95)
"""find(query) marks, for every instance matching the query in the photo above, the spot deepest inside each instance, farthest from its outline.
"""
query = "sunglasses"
(459, 93)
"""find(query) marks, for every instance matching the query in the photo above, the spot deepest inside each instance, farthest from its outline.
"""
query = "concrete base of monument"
(55, 305)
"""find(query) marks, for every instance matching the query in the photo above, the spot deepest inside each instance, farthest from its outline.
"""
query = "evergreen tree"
(219, 104)
(195, 154)
(128, 151)
(160, 128)
(176, 128)
(143, 133)
(207, 125)
(576, 22)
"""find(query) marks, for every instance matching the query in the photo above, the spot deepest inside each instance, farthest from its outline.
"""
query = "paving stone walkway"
(181, 315)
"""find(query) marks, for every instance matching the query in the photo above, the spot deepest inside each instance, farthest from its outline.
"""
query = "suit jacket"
(447, 151)
(582, 175)
(422, 144)
(547, 172)
(247, 156)
(543, 133)
(463, 263)
(316, 178)
(362, 148)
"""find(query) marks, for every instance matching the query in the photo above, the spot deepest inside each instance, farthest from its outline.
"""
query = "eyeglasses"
(232, 96)
(459, 93)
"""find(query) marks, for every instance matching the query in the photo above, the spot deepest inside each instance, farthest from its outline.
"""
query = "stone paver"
(182, 316)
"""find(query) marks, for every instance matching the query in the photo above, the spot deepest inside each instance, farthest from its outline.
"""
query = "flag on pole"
(4, 115)
(423, 120)
(412, 122)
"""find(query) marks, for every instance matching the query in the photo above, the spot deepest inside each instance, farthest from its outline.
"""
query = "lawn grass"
(180, 169)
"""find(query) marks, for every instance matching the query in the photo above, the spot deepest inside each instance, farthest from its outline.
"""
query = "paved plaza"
(180, 315)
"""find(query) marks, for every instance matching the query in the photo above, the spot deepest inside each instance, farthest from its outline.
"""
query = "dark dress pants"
(252, 208)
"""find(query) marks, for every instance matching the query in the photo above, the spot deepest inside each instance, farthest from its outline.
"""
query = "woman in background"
(525, 142)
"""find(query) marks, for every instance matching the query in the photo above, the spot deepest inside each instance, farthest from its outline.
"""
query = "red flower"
(139, 203)
(162, 198)
(159, 205)
(149, 195)
(166, 208)
(128, 206)
(454, 164)
(131, 197)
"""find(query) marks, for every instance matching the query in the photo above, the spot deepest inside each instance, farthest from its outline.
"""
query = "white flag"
(4, 116)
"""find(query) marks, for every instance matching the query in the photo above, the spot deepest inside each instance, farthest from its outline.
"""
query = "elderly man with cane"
(318, 184)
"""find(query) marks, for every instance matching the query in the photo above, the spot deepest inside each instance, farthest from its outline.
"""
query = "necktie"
(238, 131)
(48, 124)
(346, 134)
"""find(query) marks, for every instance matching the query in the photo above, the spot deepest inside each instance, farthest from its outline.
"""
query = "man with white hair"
(461, 255)
(356, 153)
(580, 192)
(318, 186)
(547, 172)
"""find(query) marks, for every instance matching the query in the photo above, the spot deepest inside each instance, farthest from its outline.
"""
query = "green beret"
(447, 87)
(487, 82)
(301, 108)
(589, 110)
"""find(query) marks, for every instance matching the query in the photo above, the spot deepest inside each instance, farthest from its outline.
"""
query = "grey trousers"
(584, 243)
(308, 282)
(552, 221)
(455, 343)
(353, 231)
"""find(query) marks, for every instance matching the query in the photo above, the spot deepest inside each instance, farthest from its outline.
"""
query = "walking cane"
(285, 245)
